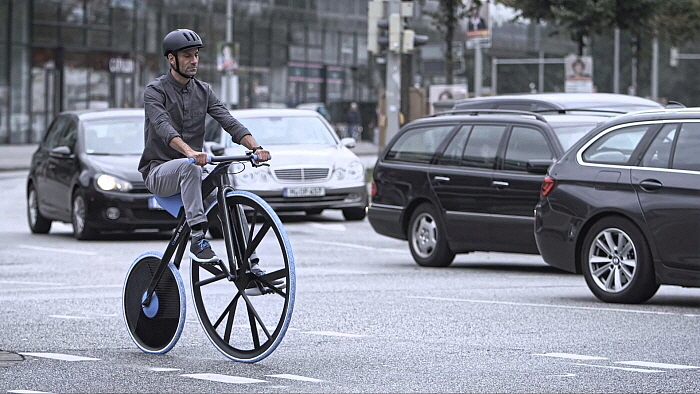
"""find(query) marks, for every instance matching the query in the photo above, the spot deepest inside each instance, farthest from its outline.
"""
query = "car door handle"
(441, 178)
(500, 184)
(651, 184)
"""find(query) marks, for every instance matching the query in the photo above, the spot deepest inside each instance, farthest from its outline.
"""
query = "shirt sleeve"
(154, 106)
(222, 115)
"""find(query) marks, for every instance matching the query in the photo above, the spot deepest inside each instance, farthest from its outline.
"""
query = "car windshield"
(288, 130)
(116, 136)
(570, 132)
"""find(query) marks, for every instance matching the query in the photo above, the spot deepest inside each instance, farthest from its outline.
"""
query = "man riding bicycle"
(175, 106)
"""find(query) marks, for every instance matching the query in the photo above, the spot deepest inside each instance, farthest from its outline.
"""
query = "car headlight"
(354, 170)
(113, 184)
(253, 175)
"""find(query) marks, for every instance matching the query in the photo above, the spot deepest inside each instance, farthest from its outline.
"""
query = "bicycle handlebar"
(253, 158)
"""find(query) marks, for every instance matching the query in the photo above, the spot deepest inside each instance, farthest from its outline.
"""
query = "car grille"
(138, 187)
(302, 174)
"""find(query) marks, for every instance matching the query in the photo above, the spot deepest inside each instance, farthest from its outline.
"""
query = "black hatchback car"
(468, 181)
(85, 173)
(623, 206)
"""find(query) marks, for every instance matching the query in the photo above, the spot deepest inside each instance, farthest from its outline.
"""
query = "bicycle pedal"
(255, 291)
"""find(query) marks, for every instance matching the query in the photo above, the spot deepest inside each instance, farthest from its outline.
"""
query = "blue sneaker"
(200, 251)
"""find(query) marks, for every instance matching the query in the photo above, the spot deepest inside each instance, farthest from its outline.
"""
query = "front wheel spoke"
(609, 279)
(253, 329)
(602, 246)
(231, 307)
(251, 310)
(626, 271)
(253, 244)
(229, 322)
(626, 248)
(610, 242)
(618, 279)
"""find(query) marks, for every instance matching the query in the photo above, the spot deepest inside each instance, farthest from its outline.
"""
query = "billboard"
(579, 74)
(479, 26)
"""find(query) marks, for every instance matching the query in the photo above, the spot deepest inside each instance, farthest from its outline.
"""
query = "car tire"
(616, 262)
(427, 238)
(82, 230)
(354, 214)
(38, 224)
(315, 211)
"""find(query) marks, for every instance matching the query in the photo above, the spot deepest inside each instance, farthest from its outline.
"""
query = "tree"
(446, 21)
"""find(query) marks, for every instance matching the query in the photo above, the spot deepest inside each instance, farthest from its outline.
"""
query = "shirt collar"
(177, 85)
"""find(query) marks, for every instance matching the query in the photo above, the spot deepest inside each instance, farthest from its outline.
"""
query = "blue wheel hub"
(151, 309)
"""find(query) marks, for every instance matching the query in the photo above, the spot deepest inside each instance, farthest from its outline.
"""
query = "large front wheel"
(246, 316)
(427, 238)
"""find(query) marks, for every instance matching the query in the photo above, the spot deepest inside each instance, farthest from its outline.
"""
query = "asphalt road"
(367, 319)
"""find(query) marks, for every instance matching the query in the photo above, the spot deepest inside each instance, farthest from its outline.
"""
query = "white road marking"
(334, 334)
(329, 226)
(68, 317)
(656, 365)
(62, 357)
(61, 287)
(156, 369)
(622, 368)
(28, 392)
(571, 356)
(355, 246)
(563, 375)
(61, 250)
(223, 378)
(295, 377)
(17, 282)
(585, 308)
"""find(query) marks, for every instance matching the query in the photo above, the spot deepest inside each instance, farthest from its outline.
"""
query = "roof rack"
(477, 111)
(567, 110)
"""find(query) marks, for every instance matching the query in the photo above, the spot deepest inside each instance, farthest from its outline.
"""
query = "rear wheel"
(244, 315)
(81, 228)
(37, 223)
(154, 328)
(617, 263)
(427, 239)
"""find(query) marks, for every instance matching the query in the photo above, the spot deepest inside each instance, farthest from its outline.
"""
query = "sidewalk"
(19, 157)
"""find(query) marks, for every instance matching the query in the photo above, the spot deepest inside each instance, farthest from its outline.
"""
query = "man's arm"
(200, 158)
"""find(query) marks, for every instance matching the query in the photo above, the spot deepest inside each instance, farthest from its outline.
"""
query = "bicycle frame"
(217, 179)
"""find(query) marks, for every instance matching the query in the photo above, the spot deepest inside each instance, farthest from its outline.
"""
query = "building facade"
(79, 54)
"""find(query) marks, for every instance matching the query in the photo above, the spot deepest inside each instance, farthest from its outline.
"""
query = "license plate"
(153, 203)
(304, 192)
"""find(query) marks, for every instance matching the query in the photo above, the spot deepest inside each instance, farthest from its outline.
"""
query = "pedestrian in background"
(354, 121)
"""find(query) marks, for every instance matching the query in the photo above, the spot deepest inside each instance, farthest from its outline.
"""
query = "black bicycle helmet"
(180, 39)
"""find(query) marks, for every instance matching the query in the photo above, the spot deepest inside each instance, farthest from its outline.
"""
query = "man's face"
(188, 59)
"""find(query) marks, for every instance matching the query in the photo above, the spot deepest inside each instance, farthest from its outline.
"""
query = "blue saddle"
(172, 204)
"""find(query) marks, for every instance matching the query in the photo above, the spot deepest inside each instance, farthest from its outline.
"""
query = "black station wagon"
(623, 206)
(468, 180)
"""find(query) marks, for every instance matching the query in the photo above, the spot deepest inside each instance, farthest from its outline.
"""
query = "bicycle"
(256, 312)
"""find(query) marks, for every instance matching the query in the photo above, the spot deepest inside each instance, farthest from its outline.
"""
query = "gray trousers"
(180, 176)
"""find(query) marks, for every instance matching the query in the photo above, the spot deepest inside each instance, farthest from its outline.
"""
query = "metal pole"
(616, 63)
(393, 79)
(477, 69)
(655, 69)
(494, 77)
(541, 73)
(226, 88)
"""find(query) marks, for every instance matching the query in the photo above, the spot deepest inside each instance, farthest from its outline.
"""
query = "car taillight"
(373, 190)
(547, 186)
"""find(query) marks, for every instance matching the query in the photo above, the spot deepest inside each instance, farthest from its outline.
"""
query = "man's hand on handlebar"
(200, 158)
(263, 155)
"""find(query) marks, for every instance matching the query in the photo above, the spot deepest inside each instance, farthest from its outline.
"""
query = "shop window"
(44, 10)
(72, 11)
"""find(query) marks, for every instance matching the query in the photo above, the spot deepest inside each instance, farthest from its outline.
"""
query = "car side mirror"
(348, 142)
(61, 152)
(539, 166)
(215, 148)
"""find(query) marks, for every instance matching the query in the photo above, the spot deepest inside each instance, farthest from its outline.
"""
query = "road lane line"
(354, 246)
(214, 377)
(295, 377)
(571, 356)
(332, 227)
(61, 250)
(68, 317)
(585, 308)
(157, 369)
(622, 368)
(62, 357)
(17, 282)
(656, 365)
(62, 287)
(28, 392)
(334, 334)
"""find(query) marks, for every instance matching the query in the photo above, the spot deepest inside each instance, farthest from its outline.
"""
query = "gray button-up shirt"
(175, 110)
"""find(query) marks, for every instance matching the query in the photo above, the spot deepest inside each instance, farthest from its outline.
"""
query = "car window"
(288, 130)
(615, 147)
(570, 132)
(659, 151)
(70, 135)
(452, 156)
(482, 146)
(418, 145)
(686, 157)
(524, 144)
(55, 132)
(118, 136)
